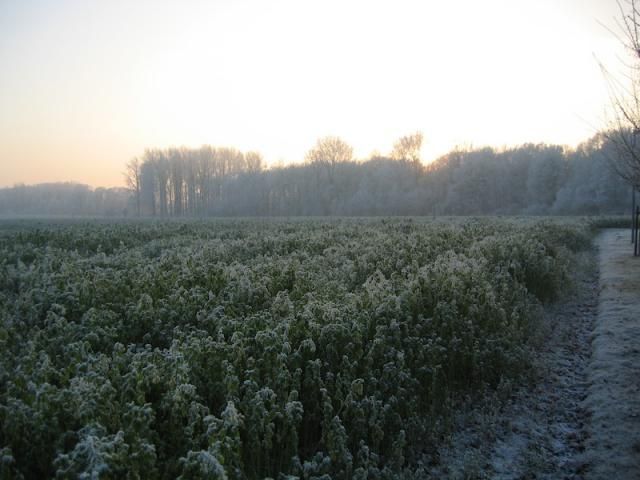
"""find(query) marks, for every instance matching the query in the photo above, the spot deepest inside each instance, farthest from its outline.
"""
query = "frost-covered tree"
(408, 147)
(133, 180)
(329, 152)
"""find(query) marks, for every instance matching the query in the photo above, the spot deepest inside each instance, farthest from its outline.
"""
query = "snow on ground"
(613, 449)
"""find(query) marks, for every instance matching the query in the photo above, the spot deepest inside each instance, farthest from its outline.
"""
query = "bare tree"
(148, 185)
(253, 161)
(133, 180)
(329, 152)
(203, 176)
(408, 148)
(176, 178)
(160, 172)
(190, 165)
(624, 128)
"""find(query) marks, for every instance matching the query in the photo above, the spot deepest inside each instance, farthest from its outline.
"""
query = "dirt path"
(547, 427)
(549, 424)
(613, 448)
(581, 419)
(542, 430)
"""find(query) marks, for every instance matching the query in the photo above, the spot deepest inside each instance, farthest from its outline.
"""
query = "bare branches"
(328, 153)
(331, 151)
(132, 178)
(408, 148)
(624, 129)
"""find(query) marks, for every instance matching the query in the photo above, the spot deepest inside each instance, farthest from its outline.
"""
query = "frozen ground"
(613, 447)
(581, 417)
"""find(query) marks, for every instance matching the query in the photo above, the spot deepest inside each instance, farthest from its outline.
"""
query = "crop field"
(310, 349)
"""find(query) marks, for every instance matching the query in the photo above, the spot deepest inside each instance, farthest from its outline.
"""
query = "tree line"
(220, 181)
(528, 179)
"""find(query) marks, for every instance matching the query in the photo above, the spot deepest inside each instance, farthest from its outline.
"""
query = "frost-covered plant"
(244, 349)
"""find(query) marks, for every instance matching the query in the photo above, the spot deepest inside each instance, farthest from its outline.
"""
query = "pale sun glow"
(88, 85)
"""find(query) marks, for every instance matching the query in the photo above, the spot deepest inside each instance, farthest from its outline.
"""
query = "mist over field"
(209, 181)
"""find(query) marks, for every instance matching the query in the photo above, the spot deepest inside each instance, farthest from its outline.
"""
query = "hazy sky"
(86, 85)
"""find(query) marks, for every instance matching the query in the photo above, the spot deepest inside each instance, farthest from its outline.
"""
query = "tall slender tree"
(132, 177)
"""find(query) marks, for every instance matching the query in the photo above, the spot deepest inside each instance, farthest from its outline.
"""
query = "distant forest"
(533, 179)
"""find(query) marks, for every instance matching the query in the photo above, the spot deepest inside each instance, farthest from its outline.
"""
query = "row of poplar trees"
(191, 182)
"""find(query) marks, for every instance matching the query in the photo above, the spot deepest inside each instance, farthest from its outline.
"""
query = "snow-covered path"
(613, 399)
